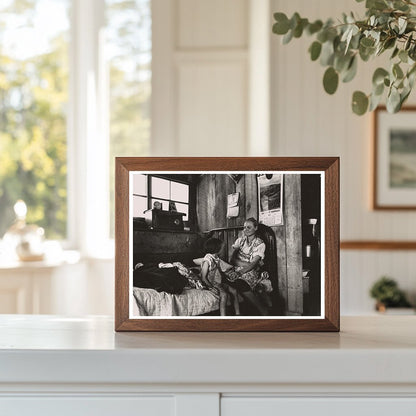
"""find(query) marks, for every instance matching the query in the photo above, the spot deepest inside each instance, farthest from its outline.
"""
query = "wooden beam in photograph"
(293, 225)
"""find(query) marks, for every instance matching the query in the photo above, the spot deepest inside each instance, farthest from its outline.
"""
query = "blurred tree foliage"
(129, 38)
(33, 96)
(33, 109)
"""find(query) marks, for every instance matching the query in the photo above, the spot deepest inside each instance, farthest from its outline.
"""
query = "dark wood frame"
(376, 205)
(329, 165)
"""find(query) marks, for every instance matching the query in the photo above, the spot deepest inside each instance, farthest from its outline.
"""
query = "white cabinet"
(51, 365)
(323, 406)
(88, 406)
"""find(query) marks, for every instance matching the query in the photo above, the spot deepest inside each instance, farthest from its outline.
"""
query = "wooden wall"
(154, 246)
(212, 193)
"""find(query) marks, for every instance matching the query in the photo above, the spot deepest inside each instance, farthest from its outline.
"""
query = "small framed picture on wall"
(394, 149)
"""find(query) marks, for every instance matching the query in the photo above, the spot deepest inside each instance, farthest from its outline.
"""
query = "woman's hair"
(213, 245)
(253, 221)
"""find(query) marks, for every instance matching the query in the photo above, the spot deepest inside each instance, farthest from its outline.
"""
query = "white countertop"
(52, 349)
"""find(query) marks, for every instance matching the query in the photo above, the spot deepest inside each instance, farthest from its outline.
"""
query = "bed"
(191, 301)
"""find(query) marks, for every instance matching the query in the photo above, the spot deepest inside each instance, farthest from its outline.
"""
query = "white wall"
(200, 77)
(203, 100)
(308, 122)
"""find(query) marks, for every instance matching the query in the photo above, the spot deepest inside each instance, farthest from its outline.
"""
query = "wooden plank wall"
(153, 246)
(212, 193)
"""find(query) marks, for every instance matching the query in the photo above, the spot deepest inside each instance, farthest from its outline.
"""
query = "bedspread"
(190, 302)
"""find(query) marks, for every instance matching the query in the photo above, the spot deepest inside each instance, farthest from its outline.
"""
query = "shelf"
(378, 245)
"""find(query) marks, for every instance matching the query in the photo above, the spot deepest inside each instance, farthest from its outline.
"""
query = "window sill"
(50, 261)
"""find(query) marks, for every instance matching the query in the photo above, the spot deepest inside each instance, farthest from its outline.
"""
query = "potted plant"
(389, 27)
(387, 294)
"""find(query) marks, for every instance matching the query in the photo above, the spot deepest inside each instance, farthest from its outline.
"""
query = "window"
(128, 45)
(75, 87)
(170, 194)
(33, 104)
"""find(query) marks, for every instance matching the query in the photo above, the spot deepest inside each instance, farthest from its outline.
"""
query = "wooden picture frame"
(313, 180)
(394, 158)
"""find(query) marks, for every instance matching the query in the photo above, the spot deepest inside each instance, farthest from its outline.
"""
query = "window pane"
(33, 101)
(128, 50)
(160, 188)
(183, 208)
(140, 184)
(179, 192)
(139, 206)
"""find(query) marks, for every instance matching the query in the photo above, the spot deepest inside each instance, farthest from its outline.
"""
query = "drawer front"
(272, 406)
(87, 406)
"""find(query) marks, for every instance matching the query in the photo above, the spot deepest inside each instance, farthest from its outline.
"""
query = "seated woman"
(247, 256)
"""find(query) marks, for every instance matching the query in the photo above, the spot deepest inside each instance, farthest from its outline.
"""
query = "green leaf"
(288, 37)
(374, 102)
(412, 78)
(367, 42)
(298, 30)
(341, 61)
(400, 5)
(408, 42)
(315, 50)
(355, 41)
(294, 20)
(412, 52)
(403, 56)
(412, 70)
(359, 103)
(281, 27)
(389, 43)
(351, 32)
(402, 24)
(366, 53)
(330, 80)
(376, 4)
(397, 71)
(327, 53)
(351, 71)
(404, 95)
(322, 36)
(314, 27)
(379, 75)
(378, 89)
(395, 52)
(393, 101)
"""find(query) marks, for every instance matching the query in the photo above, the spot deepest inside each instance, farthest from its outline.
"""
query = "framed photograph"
(394, 180)
(184, 264)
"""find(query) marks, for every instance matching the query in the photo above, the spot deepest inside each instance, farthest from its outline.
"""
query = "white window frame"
(88, 133)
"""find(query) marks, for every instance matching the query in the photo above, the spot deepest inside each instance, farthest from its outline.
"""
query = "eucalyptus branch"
(389, 25)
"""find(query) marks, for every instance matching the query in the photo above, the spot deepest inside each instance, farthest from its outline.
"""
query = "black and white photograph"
(226, 245)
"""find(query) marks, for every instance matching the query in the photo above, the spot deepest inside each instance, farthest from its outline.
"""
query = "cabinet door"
(88, 406)
(272, 406)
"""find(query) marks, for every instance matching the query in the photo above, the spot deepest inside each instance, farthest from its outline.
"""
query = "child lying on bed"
(211, 268)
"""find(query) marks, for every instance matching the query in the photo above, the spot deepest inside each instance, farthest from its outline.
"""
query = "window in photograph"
(160, 193)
